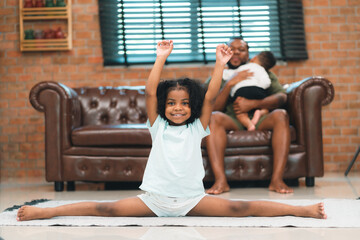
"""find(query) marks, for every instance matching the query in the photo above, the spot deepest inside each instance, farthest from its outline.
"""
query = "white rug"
(341, 213)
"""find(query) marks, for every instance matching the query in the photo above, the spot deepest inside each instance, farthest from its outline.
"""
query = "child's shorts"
(164, 206)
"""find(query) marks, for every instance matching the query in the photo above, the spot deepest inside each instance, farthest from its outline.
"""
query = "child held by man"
(254, 87)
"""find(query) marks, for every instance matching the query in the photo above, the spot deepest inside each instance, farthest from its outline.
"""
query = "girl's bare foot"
(314, 211)
(26, 213)
(280, 187)
(256, 117)
(218, 188)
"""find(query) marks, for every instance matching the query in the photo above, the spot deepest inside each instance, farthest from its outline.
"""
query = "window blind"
(130, 29)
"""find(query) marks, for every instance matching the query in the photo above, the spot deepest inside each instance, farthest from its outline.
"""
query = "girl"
(178, 117)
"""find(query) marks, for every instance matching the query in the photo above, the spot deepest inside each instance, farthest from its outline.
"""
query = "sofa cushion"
(253, 138)
(111, 135)
(138, 135)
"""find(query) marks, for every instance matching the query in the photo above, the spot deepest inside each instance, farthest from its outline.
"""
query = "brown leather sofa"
(98, 134)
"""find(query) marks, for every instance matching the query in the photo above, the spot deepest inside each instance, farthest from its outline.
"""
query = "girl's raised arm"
(163, 50)
(223, 55)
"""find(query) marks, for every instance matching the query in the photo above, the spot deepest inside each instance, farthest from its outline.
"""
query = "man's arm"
(243, 105)
(224, 93)
(276, 98)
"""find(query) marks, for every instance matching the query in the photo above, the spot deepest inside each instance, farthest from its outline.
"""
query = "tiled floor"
(330, 186)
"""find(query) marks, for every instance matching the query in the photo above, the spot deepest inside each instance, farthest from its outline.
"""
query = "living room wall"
(333, 42)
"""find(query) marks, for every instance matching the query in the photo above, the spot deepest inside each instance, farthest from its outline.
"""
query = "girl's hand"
(223, 53)
(164, 48)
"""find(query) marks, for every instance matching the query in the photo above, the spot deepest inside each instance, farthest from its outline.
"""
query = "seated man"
(224, 120)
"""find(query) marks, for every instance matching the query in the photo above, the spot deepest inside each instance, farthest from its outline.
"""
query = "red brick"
(349, 131)
(34, 155)
(84, 51)
(84, 18)
(68, 68)
(6, 27)
(320, 20)
(355, 140)
(113, 76)
(61, 60)
(320, 3)
(52, 69)
(78, 60)
(19, 138)
(329, 12)
(35, 173)
(26, 78)
(138, 83)
(11, 3)
(35, 120)
(331, 167)
(83, 35)
(329, 46)
(304, 72)
(333, 131)
(337, 19)
(354, 54)
(349, 97)
(85, 68)
(320, 37)
(347, 28)
(77, 76)
(13, 54)
(95, 59)
(341, 157)
(339, 53)
(9, 164)
(331, 149)
(341, 122)
(8, 61)
(17, 103)
(92, 9)
(355, 3)
(347, 62)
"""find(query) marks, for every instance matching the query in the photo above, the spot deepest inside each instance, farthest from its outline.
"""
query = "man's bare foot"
(256, 117)
(218, 188)
(314, 211)
(26, 213)
(280, 187)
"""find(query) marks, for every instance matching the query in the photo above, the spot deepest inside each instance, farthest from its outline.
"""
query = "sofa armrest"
(305, 101)
(61, 107)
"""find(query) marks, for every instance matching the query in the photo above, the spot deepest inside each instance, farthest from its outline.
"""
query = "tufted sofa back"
(112, 105)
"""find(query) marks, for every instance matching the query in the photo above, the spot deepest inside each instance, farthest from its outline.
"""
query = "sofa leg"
(70, 186)
(310, 181)
(59, 186)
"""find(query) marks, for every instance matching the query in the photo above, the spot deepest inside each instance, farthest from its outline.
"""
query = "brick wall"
(332, 32)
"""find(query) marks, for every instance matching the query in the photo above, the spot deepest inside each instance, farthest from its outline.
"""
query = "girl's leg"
(130, 207)
(219, 207)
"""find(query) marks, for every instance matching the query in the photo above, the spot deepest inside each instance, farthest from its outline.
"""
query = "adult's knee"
(280, 116)
(216, 120)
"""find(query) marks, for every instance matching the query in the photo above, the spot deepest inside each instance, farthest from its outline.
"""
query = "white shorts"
(164, 206)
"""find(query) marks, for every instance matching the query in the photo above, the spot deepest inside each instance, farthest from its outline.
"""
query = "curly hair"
(196, 95)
